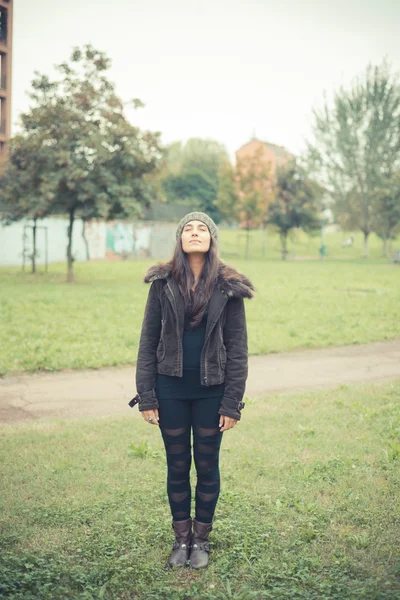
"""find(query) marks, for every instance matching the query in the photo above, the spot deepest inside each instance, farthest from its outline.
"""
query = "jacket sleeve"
(147, 357)
(236, 369)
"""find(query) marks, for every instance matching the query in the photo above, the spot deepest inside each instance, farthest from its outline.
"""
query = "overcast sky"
(221, 69)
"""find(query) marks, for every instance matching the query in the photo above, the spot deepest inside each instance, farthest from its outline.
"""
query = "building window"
(3, 81)
(3, 25)
(2, 115)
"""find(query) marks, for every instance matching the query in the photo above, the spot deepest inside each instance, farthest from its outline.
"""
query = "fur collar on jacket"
(230, 281)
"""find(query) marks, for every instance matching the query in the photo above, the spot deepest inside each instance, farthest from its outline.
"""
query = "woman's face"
(195, 237)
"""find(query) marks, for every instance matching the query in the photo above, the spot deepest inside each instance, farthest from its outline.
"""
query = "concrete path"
(105, 392)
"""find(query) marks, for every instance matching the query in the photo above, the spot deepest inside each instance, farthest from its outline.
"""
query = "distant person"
(348, 243)
(191, 373)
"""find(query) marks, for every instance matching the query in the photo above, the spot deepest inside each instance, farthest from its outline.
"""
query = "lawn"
(301, 245)
(309, 506)
(49, 325)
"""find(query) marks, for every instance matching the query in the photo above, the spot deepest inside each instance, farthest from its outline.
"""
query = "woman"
(191, 373)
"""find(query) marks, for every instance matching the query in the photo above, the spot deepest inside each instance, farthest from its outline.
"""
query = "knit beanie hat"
(198, 216)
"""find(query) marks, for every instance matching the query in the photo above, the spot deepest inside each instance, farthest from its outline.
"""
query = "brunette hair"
(195, 302)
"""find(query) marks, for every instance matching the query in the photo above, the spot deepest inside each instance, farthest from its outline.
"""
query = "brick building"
(6, 7)
(275, 156)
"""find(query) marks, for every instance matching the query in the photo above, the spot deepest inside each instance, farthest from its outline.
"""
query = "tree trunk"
(85, 240)
(294, 240)
(33, 258)
(264, 239)
(284, 244)
(70, 274)
(385, 246)
(365, 246)
(247, 242)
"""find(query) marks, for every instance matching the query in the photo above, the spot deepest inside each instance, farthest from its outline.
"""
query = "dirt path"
(105, 392)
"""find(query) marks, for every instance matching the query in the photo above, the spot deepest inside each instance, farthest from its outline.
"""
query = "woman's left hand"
(226, 423)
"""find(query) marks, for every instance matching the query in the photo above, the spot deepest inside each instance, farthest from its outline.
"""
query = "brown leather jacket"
(224, 357)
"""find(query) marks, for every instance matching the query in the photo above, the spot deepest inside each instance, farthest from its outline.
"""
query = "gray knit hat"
(198, 216)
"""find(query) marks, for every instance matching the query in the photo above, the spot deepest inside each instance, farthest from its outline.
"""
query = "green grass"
(301, 245)
(309, 506)
(50, 325)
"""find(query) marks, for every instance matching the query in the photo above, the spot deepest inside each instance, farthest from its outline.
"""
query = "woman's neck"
(196, 263)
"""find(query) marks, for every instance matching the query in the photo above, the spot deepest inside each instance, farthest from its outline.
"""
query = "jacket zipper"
(177, 327)
(205, 366)
(205, 379)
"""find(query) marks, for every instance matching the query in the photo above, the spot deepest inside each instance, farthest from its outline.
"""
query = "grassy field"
(309, 506)
(300, 245)
(49, 325)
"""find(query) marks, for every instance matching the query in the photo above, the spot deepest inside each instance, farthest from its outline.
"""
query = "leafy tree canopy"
(192, 169)
(297, 203)
(85, 159)
(355, 149)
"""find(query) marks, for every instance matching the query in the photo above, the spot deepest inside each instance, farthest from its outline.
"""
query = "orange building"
(274, 156)
(6, 7)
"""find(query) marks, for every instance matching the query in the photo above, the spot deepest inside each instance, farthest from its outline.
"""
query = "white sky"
(220, 69)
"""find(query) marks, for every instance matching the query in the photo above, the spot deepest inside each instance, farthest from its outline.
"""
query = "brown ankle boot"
(181, 547)
(200, 549)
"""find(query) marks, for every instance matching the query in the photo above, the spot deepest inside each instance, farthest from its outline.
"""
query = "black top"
(189, 386)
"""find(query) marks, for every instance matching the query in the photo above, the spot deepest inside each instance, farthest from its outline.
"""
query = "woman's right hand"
(153, 414)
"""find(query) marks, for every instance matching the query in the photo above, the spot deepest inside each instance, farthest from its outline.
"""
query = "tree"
(170, 163)
(93, 161)
(205, 155)
(191, 167)
(192, 186)
(296, 204)
(254, 191)
(356, 146)
(227, 196)
(387, 218)
(19, 187)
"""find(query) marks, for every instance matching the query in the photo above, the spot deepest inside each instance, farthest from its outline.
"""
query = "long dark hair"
(195, 302)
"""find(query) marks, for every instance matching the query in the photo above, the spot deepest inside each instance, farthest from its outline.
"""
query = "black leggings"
(177, 418)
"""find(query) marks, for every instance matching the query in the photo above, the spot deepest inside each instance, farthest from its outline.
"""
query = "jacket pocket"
(161, 345)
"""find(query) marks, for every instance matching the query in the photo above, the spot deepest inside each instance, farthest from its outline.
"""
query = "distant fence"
(98, 240)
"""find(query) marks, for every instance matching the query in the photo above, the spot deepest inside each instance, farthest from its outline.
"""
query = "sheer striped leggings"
(177, 420)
